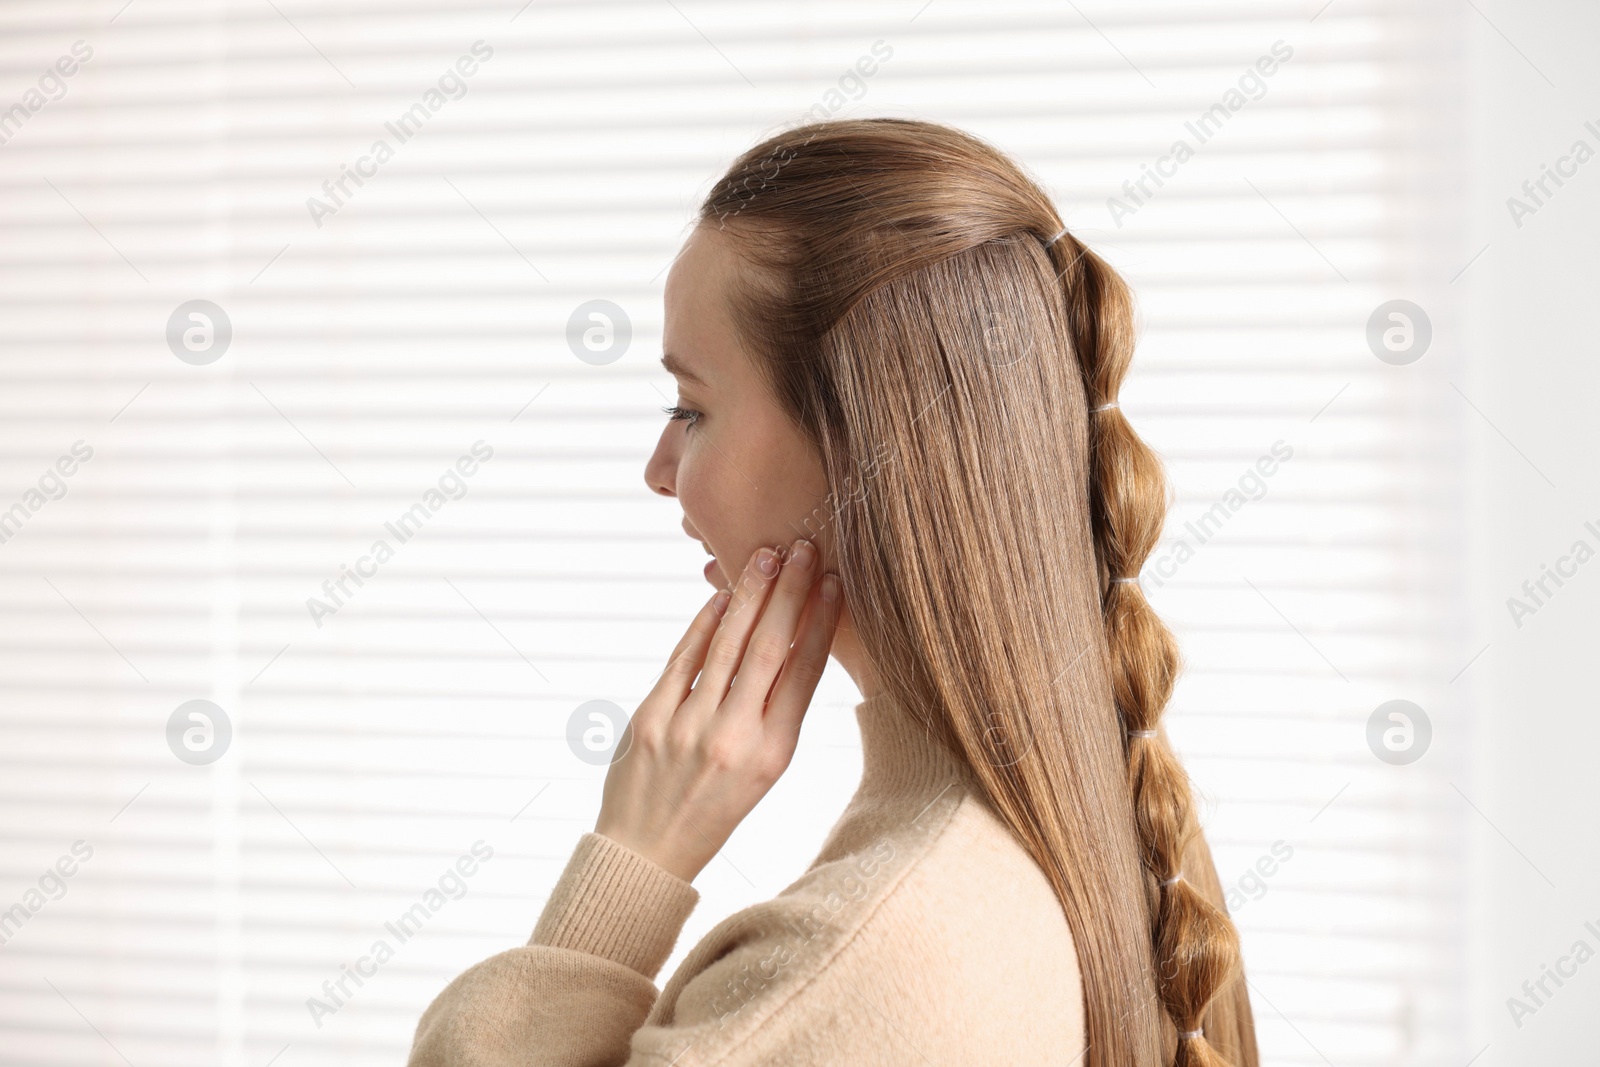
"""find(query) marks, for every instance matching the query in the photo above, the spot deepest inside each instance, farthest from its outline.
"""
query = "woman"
(886, 343)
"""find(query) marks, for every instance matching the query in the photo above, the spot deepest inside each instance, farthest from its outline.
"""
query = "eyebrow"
(677, 367)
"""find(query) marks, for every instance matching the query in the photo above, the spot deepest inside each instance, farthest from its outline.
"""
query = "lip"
(710, 570)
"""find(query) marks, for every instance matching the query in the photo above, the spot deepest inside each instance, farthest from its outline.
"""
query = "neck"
(852, 656)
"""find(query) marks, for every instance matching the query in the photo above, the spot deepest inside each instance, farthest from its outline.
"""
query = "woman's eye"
(676, 413)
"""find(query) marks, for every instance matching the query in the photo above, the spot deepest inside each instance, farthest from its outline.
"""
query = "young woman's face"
(742, 472)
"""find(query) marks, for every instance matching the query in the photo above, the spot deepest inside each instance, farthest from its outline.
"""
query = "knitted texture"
(921, 933)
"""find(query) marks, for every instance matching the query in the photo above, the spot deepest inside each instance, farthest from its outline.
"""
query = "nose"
(661, 472)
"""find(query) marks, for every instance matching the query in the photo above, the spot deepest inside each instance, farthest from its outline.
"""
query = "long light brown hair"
(947, 358)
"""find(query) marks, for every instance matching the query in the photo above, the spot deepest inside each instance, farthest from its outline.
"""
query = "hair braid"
(893, 260)
(1196, 946)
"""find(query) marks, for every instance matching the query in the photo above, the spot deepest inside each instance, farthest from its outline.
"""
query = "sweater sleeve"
(584, 982)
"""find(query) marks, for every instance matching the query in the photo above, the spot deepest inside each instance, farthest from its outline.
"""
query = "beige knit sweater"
(921, 934)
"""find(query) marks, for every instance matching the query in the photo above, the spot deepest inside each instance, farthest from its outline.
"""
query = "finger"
(684, 663)
(744, 611)
(791, 695)
(768, 647)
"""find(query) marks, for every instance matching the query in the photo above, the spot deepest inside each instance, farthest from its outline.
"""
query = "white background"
(430, 312)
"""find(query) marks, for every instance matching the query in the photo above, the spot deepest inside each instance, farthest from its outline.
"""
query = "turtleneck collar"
(898, 756)
(903, 771)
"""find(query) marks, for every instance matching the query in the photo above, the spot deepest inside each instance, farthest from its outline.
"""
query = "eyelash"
(676, 413)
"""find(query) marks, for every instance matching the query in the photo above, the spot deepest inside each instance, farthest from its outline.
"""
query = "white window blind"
(394, 769)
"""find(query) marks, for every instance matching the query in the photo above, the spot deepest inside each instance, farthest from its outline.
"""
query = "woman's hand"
(695, 761)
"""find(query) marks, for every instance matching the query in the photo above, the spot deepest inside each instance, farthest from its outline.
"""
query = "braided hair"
(953, 368)
(1196, 945)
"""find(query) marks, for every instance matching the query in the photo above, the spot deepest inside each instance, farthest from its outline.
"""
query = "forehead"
(698, 330)
(696, 278)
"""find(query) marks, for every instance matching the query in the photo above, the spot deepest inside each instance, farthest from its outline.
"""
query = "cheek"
(714, 497)
(741, 491)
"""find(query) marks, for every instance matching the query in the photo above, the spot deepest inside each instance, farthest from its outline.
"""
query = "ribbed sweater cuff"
(612, 902)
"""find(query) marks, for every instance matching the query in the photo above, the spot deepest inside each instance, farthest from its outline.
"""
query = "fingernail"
(719, 603)
(830, 588)
(804, 553)
(767, 562)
